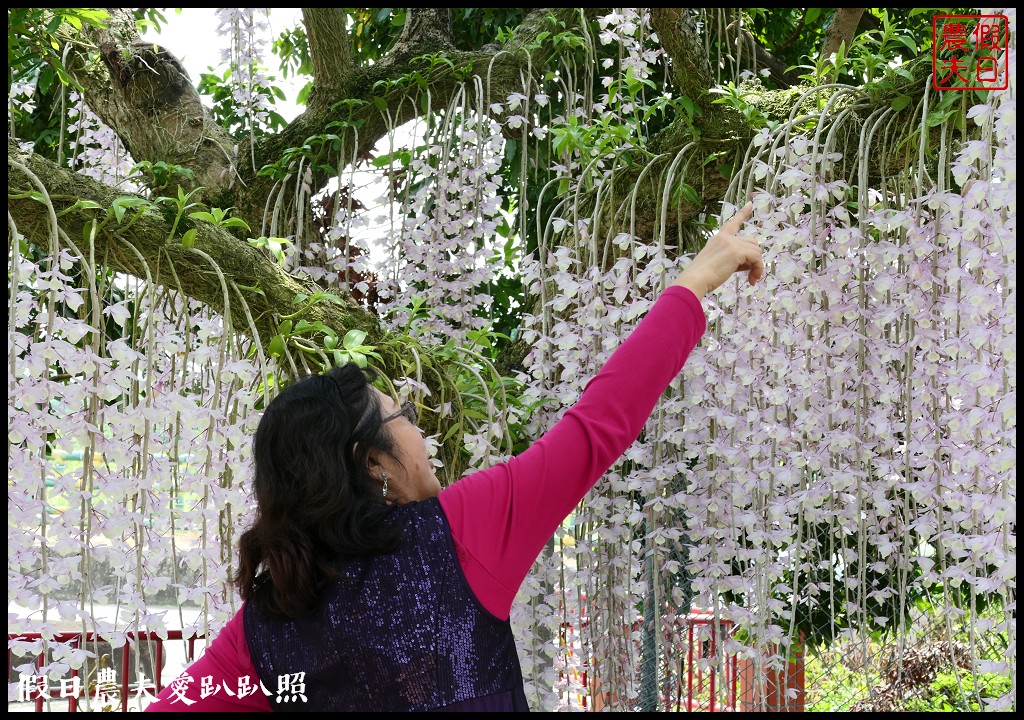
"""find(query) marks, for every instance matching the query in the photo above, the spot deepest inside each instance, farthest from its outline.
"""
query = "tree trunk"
(842, 30)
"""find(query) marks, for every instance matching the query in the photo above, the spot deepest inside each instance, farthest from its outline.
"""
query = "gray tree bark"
(842, 29)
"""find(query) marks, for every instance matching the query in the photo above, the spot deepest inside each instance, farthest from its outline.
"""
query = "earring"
(385, 476)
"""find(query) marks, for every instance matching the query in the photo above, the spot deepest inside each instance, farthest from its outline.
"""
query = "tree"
(135, 88)
(142, 93)
(553, 152)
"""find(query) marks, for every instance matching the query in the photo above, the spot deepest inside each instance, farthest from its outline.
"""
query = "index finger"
(732, 225)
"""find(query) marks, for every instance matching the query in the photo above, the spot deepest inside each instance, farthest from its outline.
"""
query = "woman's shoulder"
(419, 516)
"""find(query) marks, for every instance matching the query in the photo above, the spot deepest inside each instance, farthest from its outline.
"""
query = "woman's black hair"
(316, 500)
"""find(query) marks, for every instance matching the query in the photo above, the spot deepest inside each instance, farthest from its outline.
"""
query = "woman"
(369, 587)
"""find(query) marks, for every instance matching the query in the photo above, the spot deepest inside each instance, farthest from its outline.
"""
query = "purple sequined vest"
(399, 632)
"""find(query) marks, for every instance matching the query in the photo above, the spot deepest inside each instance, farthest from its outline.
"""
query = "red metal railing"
(701, 683)
(708, 649)
(75, 641)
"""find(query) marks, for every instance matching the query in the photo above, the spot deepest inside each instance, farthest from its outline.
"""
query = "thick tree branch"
(842, 29)
(427, 32)
(426, 29)
(691, 66)
(329, 49)
(144, 94)
(265, 287)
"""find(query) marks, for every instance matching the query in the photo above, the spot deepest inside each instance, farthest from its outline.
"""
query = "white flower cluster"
(865, 389)
(97, 151)
(139, 418)
(446, 249)
(246, 30)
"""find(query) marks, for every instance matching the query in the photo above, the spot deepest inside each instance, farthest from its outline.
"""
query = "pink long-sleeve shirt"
(502, 517)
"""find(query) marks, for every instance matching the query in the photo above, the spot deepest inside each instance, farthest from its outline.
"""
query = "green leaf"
(37, 196)
(124, 202)
(45, 81)
(66, 78)
(199, 215)
(276, 346)
(812, 15)
(252, 289)
(688, 106)
(690, 194)
(480, 337)
(353, 339)
(189, 239)
(901, 102)
(84, 205)
(87, 229)
(285, 328)
(402, 156)
(93, 16)
(236, 222)
(909, 43)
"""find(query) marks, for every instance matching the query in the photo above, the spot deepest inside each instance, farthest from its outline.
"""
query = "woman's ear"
(372, 460)
(373, 463)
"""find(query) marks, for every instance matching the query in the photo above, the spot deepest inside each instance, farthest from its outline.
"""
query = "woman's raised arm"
(501, 517)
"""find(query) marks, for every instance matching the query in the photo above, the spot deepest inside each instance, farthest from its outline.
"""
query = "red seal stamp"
(970, 52)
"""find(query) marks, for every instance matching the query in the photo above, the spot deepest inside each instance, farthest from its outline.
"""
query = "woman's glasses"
(408, 410)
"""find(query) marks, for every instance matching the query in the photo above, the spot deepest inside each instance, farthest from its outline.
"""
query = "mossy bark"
(272, 292)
